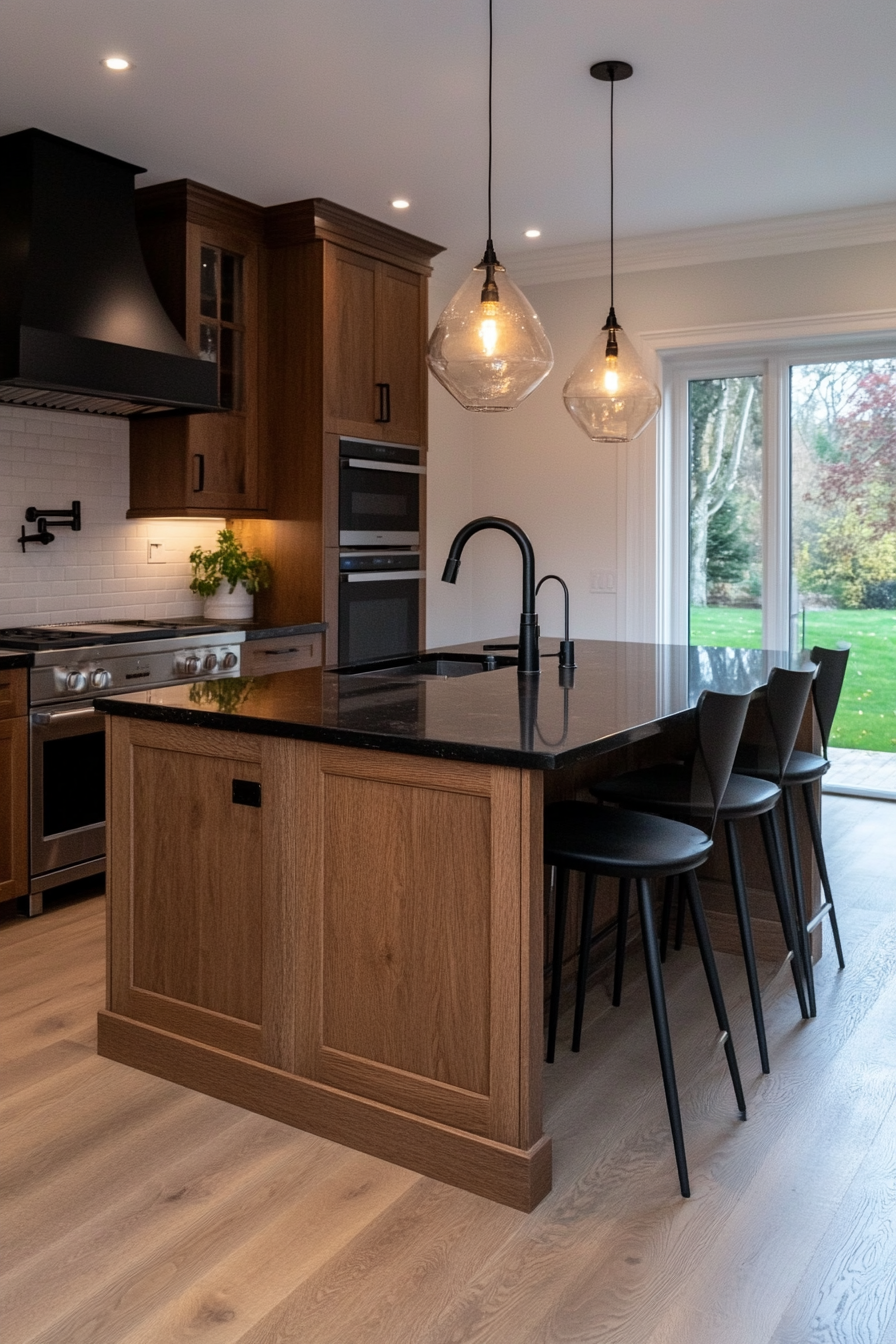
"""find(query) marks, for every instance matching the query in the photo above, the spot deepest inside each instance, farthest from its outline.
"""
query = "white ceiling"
(737, 111)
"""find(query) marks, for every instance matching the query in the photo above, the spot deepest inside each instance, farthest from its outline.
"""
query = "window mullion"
(776, 580)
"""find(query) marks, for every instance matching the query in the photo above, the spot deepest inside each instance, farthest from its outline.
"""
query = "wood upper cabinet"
(202, 251)
(374, 334)
(345, 337)
(13, 783)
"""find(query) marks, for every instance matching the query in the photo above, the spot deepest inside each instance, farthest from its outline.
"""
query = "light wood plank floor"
(134, 1210)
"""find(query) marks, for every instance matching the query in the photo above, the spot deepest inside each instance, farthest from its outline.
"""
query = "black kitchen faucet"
(528, 646)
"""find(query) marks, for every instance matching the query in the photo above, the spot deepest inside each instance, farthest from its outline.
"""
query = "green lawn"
(867, 714)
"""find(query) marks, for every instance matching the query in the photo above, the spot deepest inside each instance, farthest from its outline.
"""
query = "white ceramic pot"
(225, 605)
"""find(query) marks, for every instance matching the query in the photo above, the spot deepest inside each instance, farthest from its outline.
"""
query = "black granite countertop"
(621, 693)
(15, 658)
(255, 630)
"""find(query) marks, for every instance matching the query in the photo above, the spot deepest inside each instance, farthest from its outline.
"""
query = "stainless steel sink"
(428, 667)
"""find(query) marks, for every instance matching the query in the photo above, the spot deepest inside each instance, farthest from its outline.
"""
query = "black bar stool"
(633, 846)
(667, 790)
(803, 769)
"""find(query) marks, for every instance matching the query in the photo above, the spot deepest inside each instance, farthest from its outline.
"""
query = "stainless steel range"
(74, 663)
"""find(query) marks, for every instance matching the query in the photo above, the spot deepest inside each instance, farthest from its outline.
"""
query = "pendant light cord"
(490, 66)
(612, 190)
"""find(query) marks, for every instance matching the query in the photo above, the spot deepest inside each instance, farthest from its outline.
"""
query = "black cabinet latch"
(246, 792)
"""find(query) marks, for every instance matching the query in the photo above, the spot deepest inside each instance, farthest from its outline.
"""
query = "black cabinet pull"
(246, 792)
(385, 414)
(198, 472)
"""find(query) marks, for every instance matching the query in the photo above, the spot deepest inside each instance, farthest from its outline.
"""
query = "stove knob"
(210, 662)
(76, 681)
(192, 664)
(100, 678)
(229, 660)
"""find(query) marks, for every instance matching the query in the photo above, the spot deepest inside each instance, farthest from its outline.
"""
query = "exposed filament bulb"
(488, 328)
(611, 377)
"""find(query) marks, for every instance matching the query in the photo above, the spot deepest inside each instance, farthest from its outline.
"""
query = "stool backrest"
(827, 687)
(786, 696)
(720, 722)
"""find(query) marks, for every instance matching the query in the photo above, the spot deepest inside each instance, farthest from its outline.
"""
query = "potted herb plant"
(228, 578)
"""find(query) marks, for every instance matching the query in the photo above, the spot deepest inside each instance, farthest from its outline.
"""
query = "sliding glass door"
(843, 534)
(790, 494)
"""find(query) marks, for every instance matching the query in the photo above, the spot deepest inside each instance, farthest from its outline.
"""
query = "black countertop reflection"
(13, 658)
(621, 693)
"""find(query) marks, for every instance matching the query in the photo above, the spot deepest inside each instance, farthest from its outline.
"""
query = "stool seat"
(620, 844)
(668, 789)
(804, 767)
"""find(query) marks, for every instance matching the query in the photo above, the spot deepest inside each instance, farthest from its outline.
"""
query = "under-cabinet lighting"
(116, 63)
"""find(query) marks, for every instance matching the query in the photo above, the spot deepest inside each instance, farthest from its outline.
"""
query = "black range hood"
(81, 327)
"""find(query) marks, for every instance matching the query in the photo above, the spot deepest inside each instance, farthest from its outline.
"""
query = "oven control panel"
(87, 672)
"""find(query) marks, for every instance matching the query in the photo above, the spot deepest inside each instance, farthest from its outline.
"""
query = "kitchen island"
(327, 893)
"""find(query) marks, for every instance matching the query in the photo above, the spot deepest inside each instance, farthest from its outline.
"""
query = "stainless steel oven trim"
(379, 538)
(66, 848)
(383, 576)
(368, 464)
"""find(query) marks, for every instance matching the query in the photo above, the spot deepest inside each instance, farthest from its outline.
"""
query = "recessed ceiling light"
(400, 204)
(116, 63)
(533, 233)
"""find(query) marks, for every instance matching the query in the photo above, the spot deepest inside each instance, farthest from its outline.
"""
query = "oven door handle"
(42, 717)
(363, 464)
(368, 576)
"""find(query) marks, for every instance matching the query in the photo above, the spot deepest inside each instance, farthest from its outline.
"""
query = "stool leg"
(799, 896)
(695, 902)
(815, 830)
(668, 898)
(679, 919)
(772, 842)
(557, 963)
(621, 935)
(661, 1026)
(746, 937)
(584, 957)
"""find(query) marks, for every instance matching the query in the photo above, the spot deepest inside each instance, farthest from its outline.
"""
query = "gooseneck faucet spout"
(528, 649)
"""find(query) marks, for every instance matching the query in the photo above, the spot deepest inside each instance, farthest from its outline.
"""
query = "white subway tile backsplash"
(50, 458)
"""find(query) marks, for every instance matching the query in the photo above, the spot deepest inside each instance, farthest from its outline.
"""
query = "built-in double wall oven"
(380, 574)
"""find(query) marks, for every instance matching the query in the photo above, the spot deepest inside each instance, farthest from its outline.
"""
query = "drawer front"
(287, 653)
(13, 692)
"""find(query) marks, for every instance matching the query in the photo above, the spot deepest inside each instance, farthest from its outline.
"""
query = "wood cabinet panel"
(401, 342)
(13, 693)
(406, 934)
(414, 992)
(350, 342)
(288, 653)
(13, 806)
(197, 882)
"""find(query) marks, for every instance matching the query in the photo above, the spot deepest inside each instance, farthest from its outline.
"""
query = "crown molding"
(720, 242)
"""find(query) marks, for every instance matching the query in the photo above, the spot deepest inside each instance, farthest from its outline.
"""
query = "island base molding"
(515, 1177)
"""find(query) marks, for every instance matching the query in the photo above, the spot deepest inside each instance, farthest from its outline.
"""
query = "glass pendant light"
(488, 347)
(608, 393)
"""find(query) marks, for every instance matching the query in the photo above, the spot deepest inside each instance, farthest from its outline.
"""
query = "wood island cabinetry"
(13, 782)
(341, 939)
(202, 251)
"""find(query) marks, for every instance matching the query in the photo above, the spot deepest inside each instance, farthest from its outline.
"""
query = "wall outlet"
(603, 581)
(155, 553)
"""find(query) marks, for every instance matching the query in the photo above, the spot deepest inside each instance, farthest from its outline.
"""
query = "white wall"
(573, 497)
(449, 493)
(48, 458)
